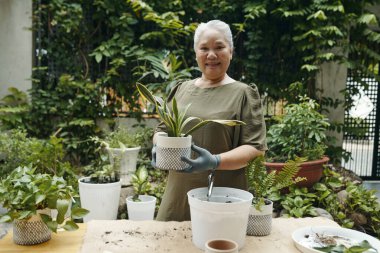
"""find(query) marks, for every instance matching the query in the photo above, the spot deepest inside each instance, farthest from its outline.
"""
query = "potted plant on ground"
(177, 141)
(265, 188)
(141, 206)
(29, 197)
(125, 144)
(300, 132)
(100, 191)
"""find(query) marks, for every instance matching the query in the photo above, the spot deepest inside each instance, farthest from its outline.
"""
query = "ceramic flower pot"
(143, 209)
(128, 160)
(102, 200)
(32, 231)
(169, 151)
(260, 221)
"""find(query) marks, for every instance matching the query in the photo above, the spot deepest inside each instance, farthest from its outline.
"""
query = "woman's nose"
(211, 54)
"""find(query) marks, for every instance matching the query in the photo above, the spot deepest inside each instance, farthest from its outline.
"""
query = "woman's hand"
(205, 160)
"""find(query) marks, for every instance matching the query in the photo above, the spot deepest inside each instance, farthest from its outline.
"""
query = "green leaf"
(5, 218)
(70, 226)
(98, 57)
(62, 207)
(24, 214)
(78, 213)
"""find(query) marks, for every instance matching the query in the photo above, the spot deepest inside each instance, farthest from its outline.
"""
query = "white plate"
(304, 246)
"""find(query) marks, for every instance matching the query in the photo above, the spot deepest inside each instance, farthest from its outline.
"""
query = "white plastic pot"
(169, 151)
(141, 210)
(225, 215)
(128, 160)
(102, 200)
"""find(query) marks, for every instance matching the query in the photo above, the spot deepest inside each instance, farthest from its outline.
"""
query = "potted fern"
(265, 188)
(300, 132)
(177, 141)
(100, 191)
(29, 198)
(141, 206)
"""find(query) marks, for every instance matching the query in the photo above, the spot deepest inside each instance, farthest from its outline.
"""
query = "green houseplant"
(265, 187)
(124, 144)
(100, 191)
(141, 206)
(29, 198)
(300, 132)
(177, 141)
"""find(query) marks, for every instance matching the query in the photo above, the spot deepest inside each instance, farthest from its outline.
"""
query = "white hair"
(216, 25)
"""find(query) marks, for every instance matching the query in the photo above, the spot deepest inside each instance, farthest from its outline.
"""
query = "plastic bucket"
(225, 215)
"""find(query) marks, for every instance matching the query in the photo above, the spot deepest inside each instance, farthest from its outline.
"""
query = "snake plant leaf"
(223, 122)
(146, 93)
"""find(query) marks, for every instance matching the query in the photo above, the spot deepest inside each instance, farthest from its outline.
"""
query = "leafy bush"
(24, 192)
(300, 132)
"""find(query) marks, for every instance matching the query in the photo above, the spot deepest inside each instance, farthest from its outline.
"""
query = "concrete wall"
(16, 43)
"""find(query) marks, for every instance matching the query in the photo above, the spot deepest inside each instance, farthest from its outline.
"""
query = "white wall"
(15, 45)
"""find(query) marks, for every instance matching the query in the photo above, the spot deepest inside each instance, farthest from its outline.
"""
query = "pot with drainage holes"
(223, 215)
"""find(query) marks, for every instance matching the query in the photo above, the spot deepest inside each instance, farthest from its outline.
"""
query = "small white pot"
(128, 160)
(169, 151)
(260, 221)
(141, 210)
(102, 200)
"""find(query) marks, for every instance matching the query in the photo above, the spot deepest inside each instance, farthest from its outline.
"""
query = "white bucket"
(225, 215)
(143, 209)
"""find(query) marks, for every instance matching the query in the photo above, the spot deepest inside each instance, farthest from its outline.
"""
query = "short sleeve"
(254, 132)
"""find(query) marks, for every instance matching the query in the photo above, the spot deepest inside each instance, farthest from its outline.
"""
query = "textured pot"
(169, 151)
(312, 170)
(128, 160)
(32, 231)
(260, 221)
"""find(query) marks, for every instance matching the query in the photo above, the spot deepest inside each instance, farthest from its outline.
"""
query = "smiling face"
(213, 55)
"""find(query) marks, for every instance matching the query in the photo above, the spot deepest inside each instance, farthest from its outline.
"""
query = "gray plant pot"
(169, 151)
(260, 221)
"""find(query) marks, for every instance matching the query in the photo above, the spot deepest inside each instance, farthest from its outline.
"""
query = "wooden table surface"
(154, 236)
(62, 242)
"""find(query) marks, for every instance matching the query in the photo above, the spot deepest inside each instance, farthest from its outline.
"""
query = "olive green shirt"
(233, 101)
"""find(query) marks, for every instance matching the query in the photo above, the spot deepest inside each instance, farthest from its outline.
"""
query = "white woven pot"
(31, 231)
(260, 221)
(169, 151)
(102, 200)
(128, 160)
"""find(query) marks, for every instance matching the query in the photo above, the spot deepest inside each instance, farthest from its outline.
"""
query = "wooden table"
(153, 236)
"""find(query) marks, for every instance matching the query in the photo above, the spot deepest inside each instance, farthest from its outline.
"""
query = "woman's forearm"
(238, 157)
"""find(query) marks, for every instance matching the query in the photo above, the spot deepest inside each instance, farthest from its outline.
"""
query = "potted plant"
(100, 191)
(265, 188)
(29, 198)
(177, 141)
(141, 206)
(125, 144)
(300, 132)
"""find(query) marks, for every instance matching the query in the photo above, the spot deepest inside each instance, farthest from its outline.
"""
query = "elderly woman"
(215, 95)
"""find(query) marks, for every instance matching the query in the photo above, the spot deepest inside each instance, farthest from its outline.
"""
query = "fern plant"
(266, 185)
